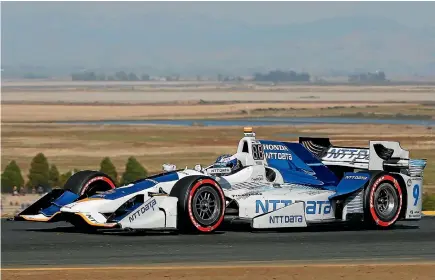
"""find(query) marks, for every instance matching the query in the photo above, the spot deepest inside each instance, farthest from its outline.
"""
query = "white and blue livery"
(266, 184)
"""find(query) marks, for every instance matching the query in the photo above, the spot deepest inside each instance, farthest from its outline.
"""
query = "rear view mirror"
(169, 167)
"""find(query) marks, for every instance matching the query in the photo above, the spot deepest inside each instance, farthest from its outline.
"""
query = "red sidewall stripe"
(99, 178)
(191, 216)
(372, 191)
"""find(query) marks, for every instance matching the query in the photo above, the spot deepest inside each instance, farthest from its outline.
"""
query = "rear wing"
(380, 155)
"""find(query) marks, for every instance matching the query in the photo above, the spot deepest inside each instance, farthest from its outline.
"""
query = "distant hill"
(160, 42)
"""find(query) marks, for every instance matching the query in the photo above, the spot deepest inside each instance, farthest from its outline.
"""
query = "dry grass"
(143, 93)
(46, 113)
(71, 146)
(21, 113)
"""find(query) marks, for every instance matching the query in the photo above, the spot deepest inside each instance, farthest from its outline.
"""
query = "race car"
(265, 184)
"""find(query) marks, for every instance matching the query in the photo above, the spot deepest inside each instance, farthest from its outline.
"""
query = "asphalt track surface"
(26, 244)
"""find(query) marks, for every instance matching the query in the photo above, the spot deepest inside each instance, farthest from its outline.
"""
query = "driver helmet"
(228, 161)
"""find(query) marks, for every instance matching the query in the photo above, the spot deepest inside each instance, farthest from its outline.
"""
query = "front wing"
(158, 212)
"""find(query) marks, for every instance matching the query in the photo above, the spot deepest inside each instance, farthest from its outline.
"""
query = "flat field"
(83, 112)
(141, 95)
(50, 101)
(153, 92)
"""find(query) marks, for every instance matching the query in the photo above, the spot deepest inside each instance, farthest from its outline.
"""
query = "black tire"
(383, 202)
(88, 182)
(201, 204)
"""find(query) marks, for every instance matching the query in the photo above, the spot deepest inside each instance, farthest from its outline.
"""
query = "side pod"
(141, 213)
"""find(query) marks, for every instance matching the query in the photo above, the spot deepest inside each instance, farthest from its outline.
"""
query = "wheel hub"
(206, 205)
(386, 201)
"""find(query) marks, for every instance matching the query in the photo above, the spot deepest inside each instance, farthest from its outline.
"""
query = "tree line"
(369, 77)
(118, 76)
(282, 76)
(274, 76)
(46, 175)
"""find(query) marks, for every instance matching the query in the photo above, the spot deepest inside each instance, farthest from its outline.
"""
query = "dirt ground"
(56, 112)
(87, 112)
(249, 272)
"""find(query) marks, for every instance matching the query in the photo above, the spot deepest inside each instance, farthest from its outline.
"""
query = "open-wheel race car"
(266, 184)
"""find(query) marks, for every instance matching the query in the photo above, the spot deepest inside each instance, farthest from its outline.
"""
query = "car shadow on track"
(223, 230)
(317, 228)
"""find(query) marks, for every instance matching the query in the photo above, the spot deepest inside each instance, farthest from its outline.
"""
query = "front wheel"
(201, 204)
(383, 202)
(89, 182)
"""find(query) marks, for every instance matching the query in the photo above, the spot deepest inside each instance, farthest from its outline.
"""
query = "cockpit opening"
(245, 147)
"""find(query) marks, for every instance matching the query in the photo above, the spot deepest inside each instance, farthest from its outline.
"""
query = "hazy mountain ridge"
(194, 44)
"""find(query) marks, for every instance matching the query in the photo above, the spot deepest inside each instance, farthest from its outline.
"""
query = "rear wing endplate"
(377, 156)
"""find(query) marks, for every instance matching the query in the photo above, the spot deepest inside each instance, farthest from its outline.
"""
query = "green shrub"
(428, 202)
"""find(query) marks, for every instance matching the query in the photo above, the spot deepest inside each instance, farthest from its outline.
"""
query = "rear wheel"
(383, 202)
(201, 204)
(89, 182)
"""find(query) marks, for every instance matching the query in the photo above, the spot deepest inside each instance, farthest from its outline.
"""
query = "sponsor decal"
(246, 195)
(312, 207)
(219, 170)
(264, 206)
(349, 154)
(416, 193)
(414, 214)
(324, 207)
(312, 192)
(258, 178)
(280, 156)
(285, 219)
(277, 151)
(409, 182)
(354, 177)
(275, 147)
(142, 210)
(90, 218)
